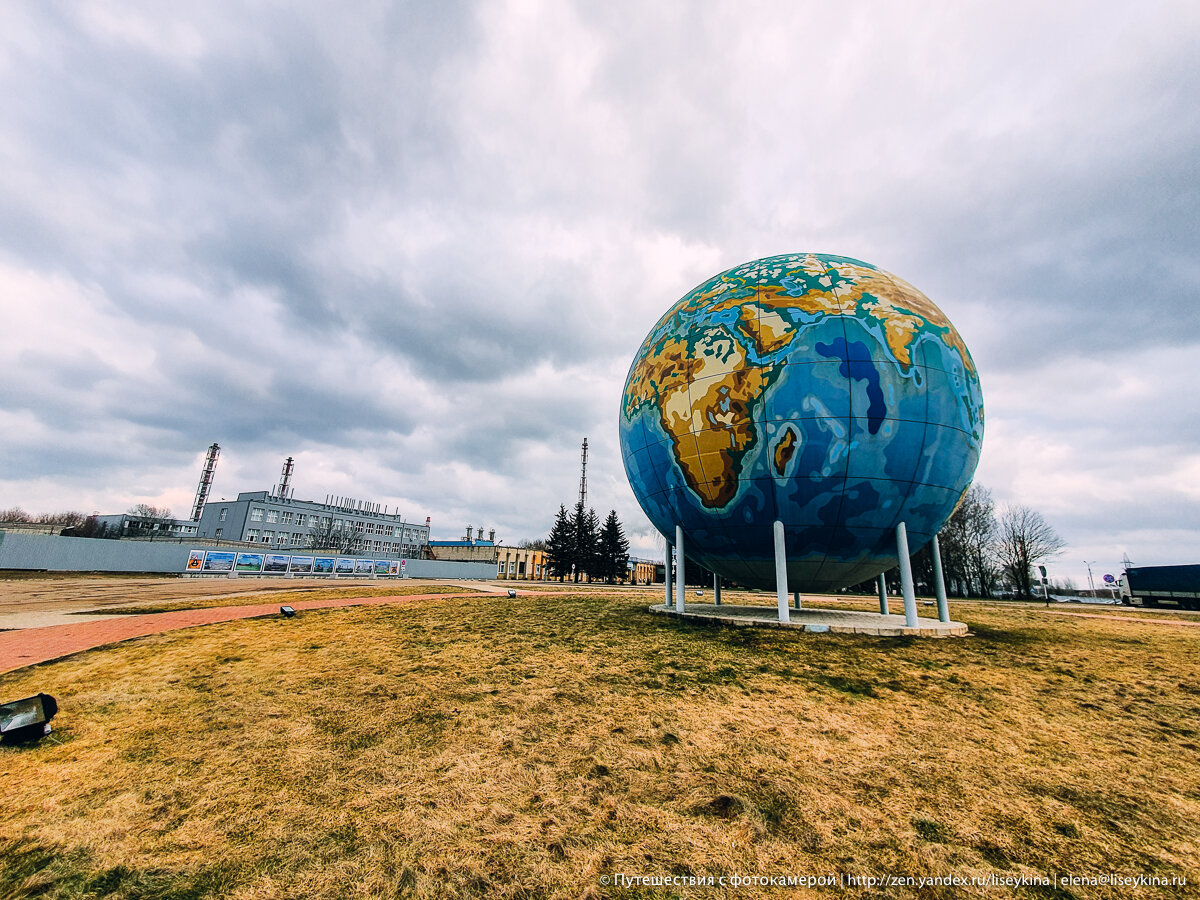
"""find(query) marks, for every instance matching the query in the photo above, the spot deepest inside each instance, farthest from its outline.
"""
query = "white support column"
(796, 599)
(680, 581)
(939, 583)
(781, 587)
(667, 575)
(906, 579)
(883, 608)
(717, 588)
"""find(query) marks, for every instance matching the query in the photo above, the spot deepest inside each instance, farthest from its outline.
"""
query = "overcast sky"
(416, 246)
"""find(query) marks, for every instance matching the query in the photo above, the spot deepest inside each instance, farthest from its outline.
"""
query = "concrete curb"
(814, 621)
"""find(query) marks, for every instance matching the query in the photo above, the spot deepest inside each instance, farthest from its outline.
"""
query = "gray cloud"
(418, 246)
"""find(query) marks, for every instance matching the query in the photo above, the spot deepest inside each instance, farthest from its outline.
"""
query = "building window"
(220, 531)
(370, 528)
(223, 513)
(301, 519)
(502, 567)
(256, 514)
(268, 536)
(252, 535)
(287, 518)
(272, 515)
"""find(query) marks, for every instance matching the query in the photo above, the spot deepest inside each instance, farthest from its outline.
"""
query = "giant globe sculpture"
(813, 390)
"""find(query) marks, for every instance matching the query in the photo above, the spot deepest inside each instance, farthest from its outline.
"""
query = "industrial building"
(278, 520)
(125, 525)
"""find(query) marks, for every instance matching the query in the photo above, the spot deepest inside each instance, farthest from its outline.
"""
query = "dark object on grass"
(288, 612)
(511, 593)
(27, 719)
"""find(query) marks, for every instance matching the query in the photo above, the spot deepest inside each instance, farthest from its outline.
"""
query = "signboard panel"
(276, 563)
(301, 564)
(219, 560)
(364, 566)
(195, 561)
(323, 565)
(344, 566)
(381, 567)
(249, 562)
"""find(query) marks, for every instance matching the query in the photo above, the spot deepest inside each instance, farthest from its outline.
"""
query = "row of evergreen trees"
(579, 545)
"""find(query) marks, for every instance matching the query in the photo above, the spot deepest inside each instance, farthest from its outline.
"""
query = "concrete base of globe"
(835, 621)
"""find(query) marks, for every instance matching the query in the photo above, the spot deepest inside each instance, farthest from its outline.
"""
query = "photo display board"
(250, 563)
(219, 560)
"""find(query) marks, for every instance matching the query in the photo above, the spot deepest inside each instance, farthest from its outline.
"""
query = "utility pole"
(1091, 583)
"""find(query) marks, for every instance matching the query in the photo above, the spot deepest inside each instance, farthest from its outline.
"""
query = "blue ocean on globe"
(812, 389)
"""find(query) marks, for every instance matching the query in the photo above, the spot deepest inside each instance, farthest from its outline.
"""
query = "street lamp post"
(1091, 583)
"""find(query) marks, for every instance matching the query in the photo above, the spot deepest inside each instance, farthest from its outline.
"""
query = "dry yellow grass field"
(533, 747)
(281, 595)
(68, 594)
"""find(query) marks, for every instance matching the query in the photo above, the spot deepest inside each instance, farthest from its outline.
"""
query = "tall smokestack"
(206, 478)
(285, 478)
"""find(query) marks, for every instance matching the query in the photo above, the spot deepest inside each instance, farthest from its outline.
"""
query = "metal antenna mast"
(206, 478)
(583, 475)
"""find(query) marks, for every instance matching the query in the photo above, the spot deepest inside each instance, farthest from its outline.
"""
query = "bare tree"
(968, 545)
(91, 527)
(334, 535)
(15, 514)
(70, 518)
(1025, 539)
(146, 511)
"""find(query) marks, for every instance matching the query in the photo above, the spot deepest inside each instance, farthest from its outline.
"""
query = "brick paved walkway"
(30, 646)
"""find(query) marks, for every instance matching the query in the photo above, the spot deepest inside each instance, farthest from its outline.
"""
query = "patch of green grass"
(30, 869)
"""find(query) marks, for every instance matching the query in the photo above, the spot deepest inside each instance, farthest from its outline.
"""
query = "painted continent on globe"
(813, 389)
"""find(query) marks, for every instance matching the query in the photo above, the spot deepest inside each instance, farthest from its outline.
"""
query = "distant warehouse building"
(261, 517)
(512, 563)
(130, 525)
